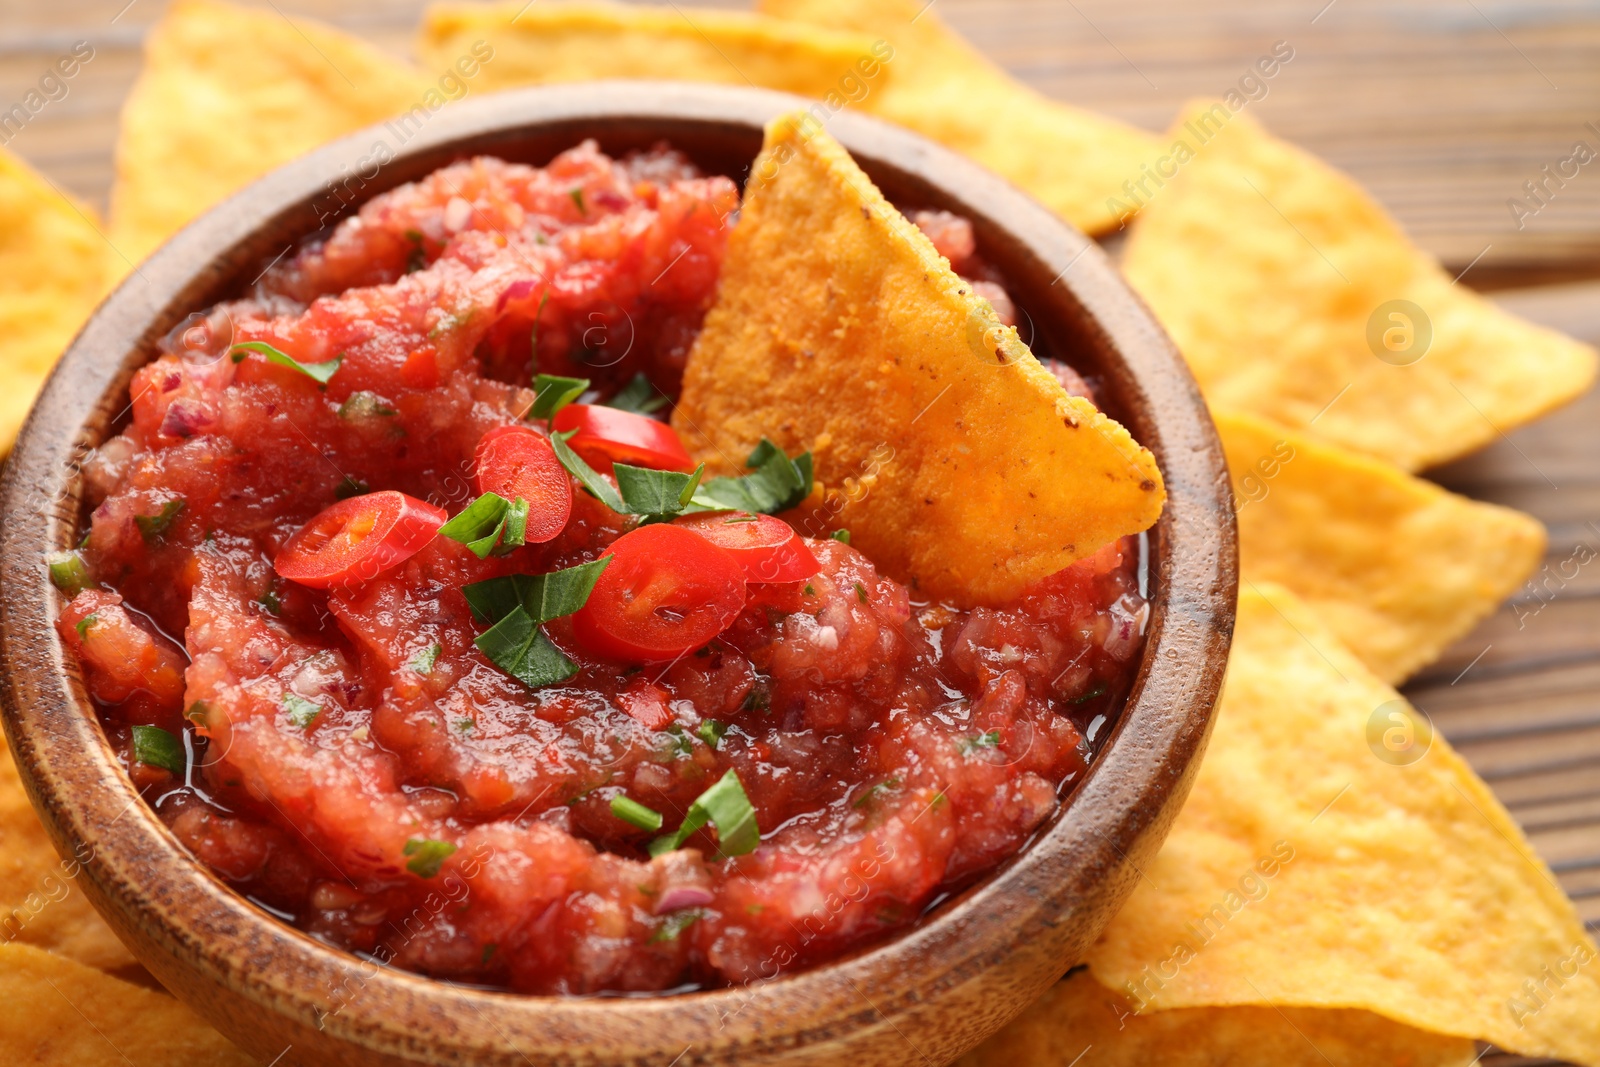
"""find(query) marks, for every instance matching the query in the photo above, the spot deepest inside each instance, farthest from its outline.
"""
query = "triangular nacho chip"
(1294, 296)
(1073, 161)
(228, 93)
(548, 43)
(1337, 853)
(52, 264)
(57, 1013)
(1397, 567)
(1080, 1023)
(963, 465)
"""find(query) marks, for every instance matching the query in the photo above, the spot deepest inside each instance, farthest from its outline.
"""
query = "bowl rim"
(196, 933)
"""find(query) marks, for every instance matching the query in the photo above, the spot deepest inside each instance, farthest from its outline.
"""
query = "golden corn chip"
(52, 264)
(1395, 566)
(1294, 296)
(229, 93)
(1073, 161)
(1335, 853)
(548, 43)
(40, 901)
(1081, 1023)
(57, 1013)
(959, 464)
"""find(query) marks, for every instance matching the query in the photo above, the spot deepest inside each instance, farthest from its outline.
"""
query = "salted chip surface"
(546, 43)
(1071, 160)
(1079, 1022)
(52, 266)
(1294, 296)
(1397, 567)
(957, 462)
(1336, 853)
(227, 94)
(57, 1013)
(41, 902)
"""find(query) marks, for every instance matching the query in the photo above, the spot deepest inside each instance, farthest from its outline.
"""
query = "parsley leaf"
(776, 483)
(317, 372)
(542, 596)
(517, 646)
(156, 747)
(427, 856)
(639, 397)
(726, 807)
(552, 393)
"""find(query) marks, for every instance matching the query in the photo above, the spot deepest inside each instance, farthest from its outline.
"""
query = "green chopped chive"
(673, 925)
(726, 807)
(427, 856)
(317, 372)
(154, 527)
(302, 712)
(776, 483)
(68, 572)
(984, 740)
(1097, 691)
(576, 192)
(551, 393)
(365, 405)
(520, 648)
(711, 732)
(861, 592)
(542, 596)
(154, 746)
(639, 397)
(842, 536)
(351, 486)
(84, 623)
(635, 814)
(423, 661)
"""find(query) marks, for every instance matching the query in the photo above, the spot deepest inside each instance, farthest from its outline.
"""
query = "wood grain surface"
(1443, 108)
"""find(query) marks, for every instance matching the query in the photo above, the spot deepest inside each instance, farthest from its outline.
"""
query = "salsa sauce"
(349, 758)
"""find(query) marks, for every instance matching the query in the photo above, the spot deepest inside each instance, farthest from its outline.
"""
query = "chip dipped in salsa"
(417, 622)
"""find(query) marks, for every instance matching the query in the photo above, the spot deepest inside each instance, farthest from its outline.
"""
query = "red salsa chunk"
(413, 619)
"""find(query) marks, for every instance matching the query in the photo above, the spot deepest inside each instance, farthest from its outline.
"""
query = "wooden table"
(1443, 108)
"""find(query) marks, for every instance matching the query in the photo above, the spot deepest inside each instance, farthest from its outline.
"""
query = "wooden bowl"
(923, 997)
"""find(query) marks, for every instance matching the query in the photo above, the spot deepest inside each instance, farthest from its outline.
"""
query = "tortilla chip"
(1276, 275)
(1081, 1023)
(959, 464)
(1395, 566)
(549, 43)
(1328, 858)
(40, 901)
(52, 263)
(1073, 161)
(63, 1014)
(229, 93)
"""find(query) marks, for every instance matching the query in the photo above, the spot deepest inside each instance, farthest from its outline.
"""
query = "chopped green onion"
(985, 740)
(154, 746)
(726, 807)
(861, 592)
(317, 372)
(842, 536)
(365, 405)
(639, 397)
(427, 856)
(711, 731)
(656, 493)
(84, 623)
(154, 527)
(422, 662)
(517, 646)
(552, 393)
(302, 712)
(542, 596)
(634, 813)
(1097, 691)
(776, 484)
(68, 571)
(516, 530)
(673, 925)
(587, 476)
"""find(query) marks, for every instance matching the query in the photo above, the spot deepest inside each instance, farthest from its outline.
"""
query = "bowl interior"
(958, 975)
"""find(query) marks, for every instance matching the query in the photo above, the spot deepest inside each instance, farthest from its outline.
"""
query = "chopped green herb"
(656, 493)
(673, 925)
(317, 372)
(464, 726)
(810, 590)
(861, 592)
(985, 740)
(197, 713)
(489, 522)
(154, 746)
(726, 807)
(154, 527)
(634, 813)
(639, 397)
(542, 596)
(302, 712)
(488, 951)
(552, 393)
(351, 486)
(1097, 691)
(427, 856)
(418, 257)
(269, 599)
(423, 661)
(842, 536)
(517, 646)
(587, 476)
(84, 623)
(711, 731)
(776, 484)
(365, 405)
(758, 699)
(68, 571)
(576, 192)
(871, 794)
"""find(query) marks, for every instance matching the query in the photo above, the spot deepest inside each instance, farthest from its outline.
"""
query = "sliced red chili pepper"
(518, 461)
(607, 435)
(357, 539)
(766, 547)
(667, 591)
